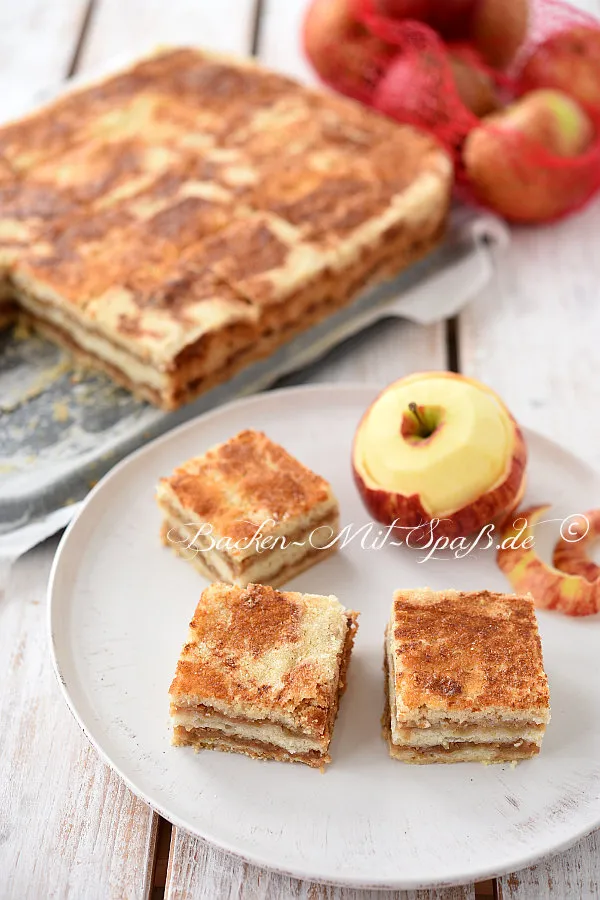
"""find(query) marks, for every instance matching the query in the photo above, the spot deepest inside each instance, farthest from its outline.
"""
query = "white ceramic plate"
(120, 604)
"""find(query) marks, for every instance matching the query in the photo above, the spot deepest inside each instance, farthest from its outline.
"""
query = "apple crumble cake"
(247, 512)
(262, 673)
(464, 678)
(187, 216)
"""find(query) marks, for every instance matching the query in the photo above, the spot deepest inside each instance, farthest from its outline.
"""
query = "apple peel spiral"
(551, 588)
(572, 555)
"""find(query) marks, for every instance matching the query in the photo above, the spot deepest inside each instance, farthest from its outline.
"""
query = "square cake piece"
(262, 673)
(247, 512)
(464, 678)
(185, 217)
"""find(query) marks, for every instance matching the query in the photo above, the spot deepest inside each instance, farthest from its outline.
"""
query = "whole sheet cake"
(184, 218)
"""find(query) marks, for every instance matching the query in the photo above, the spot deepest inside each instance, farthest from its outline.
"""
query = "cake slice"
(464, 678)
(262, 673)
(247, 512)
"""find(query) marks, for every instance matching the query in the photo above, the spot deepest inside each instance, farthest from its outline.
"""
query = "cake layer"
(221, 535)
(276, 573)
(431, 737)
(202, 716)
(277, 579)
(306, 739)
(246, 509)
(420, 746)
(204, 739)
(171, 339)
(264, 731)
(421, 727)
(466, 752)
(9, 313)
(270, 566)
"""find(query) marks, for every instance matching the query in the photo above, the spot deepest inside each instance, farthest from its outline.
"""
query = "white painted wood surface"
(132, 27)
(533, 336)
(68, 827)
(37, 44)
(198, 872)
(568, 875)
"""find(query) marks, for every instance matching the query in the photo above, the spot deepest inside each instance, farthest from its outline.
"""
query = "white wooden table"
(69, 828)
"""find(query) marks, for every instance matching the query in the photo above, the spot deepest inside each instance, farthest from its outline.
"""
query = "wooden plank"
(70, 828)
(533, 337)
(385, 352)
(131, 28)
(37, 43)
(204, 873)
(572, 874)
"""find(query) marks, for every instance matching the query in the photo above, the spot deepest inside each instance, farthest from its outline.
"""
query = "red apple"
(402, 9)
(450, 18)
(438, 447)
(475, 86)
(510, 159)
(418, 89)
(498, 29)
(571, 551)
(570, 61)
(342, 51)
(527, 573)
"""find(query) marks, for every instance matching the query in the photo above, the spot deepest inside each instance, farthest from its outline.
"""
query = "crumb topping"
(257, 651)
(238, 485)
(467, 651)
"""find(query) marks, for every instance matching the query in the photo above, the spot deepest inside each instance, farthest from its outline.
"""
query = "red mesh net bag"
(464, 61)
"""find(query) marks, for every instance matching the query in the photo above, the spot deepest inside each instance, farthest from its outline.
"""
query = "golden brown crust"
(239, 484)
(467, 651)
(257, 651)
(188, 194)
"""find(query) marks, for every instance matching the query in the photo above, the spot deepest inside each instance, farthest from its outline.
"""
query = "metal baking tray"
(62, 429)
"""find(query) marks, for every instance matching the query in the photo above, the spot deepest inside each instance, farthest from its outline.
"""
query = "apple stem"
(415, 411)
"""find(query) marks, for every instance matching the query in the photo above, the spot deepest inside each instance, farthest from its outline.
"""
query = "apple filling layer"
(274, 566)
(208, 739)
(293, 741)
